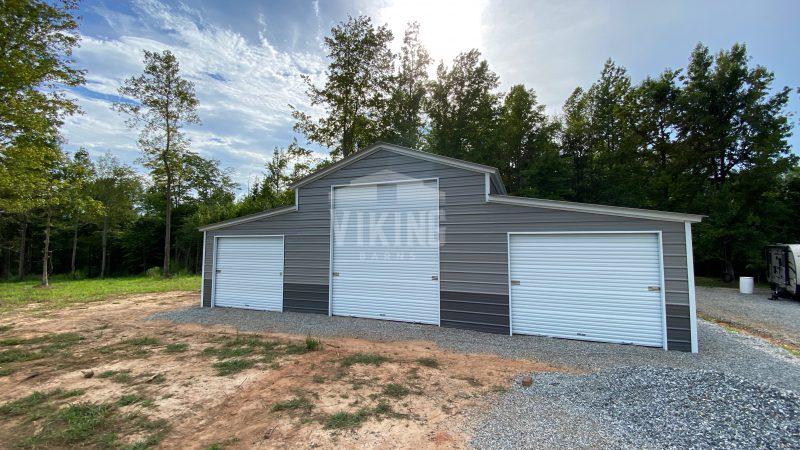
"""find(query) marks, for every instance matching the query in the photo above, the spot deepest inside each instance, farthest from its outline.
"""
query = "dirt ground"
(185, 386)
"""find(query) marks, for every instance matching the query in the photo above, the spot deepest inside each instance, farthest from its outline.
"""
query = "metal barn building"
(398, 234)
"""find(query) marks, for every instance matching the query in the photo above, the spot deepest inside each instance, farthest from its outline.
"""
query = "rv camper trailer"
(782, 263)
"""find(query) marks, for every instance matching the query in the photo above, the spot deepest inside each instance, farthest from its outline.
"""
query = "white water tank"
(746, 285)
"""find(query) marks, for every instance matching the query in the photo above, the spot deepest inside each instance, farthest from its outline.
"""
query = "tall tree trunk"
(46, 252)
(74, 251)
(167, 232)
(104, 247)
(7, 262)
(23, 232)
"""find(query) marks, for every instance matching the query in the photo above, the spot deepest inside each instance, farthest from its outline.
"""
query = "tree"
(36, 42)
(576, 144)
(462, 108)
(117, 187)
(733, 131)
(654, 107)
(79, 206)
(164, 104)
(356, 91)
(403, 121)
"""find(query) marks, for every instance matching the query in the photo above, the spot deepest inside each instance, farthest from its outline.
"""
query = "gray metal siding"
(474, 258)
(473, 253)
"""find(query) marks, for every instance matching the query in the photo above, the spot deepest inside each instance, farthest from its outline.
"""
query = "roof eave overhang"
(250, 218)
(597, 209)
(480, 168)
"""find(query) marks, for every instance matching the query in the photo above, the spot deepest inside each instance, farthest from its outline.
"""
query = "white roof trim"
(403, 151)
(249, 218)
(596, 209)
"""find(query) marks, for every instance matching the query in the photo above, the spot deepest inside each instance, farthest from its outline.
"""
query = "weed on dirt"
(50, 421)
(297, 403)
(231, 366)
(363, 358)
(428, 362)
(179, 347)
(395, 390)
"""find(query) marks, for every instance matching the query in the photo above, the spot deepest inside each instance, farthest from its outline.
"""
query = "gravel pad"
(645, 407)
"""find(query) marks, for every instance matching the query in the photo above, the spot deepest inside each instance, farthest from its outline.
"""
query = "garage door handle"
(336, 274)
(654, 288)
(434, 278)
(218, 270)
(515, 282)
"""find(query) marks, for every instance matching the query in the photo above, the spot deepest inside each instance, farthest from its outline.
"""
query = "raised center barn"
(397, 234)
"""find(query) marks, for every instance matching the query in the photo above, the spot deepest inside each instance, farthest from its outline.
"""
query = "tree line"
(710, 138)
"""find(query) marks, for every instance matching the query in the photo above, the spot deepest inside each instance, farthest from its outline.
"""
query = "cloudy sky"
(246, 57)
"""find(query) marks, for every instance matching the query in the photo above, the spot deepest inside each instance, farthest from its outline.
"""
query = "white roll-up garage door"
(595, 286)
(386, 251)
(248, 272)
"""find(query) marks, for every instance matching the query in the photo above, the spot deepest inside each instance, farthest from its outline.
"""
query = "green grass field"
(64, 291)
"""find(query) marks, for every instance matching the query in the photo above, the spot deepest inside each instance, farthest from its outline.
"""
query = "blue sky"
(247, 57)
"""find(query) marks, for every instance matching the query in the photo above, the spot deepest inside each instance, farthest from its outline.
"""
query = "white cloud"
(244, 87)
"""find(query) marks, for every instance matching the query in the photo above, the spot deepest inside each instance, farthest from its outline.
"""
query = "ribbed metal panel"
(386, 252)
(601, 287)
(249, 272)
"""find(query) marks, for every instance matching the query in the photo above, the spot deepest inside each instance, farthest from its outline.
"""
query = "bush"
(154, 272)
(312, 344)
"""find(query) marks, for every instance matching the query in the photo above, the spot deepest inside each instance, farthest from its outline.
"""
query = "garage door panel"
(249, 272)
(593, 286)
(386, 252)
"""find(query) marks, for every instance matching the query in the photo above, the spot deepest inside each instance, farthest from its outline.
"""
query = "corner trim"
(596, 209)
(692, 295)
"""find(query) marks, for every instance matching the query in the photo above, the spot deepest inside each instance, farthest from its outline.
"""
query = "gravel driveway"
(736, 393)
(727, 352)
(775, 318)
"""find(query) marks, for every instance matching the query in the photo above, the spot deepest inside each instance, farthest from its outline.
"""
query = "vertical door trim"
(438, 238)
(214, 266)
(690, 280)
(203, 271)
(660, 263)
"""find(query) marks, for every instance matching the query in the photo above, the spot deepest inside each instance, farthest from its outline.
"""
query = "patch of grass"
(345, 421)
(4, 328)
(95, 425)
(313, 344)
(176, 348)
(130, 399)
(433, 363)
(106, 374)
(35, 406)
(319, 379)
(64, 291)
(37, 347)
(9, 342)
(293, 404)
(5, 371)
(232, 366)
(363, 358)
(18, 355)
(395, 390)
(295, 349)
(794, 350)
(144, 341)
